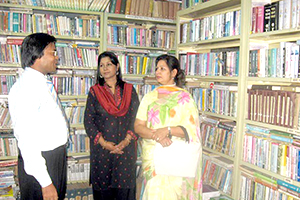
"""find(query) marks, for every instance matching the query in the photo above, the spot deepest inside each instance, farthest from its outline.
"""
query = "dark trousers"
(114, 194)
(56, 162)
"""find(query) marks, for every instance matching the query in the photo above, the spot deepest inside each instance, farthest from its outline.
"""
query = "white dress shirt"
(37, 120)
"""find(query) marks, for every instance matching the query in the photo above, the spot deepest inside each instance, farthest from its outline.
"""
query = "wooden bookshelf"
(245, 41)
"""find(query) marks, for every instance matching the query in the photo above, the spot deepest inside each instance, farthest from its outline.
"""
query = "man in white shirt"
(39, 123)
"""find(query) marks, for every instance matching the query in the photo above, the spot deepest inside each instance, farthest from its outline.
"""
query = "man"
(38, 122)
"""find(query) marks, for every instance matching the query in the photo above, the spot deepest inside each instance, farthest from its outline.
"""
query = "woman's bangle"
(169, 134)
(104, 145)
(129, 140)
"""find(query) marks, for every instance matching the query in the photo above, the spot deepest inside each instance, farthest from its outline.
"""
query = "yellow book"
(127, 8)
(58, 28)
(145, 65)
(283, 160)
(149, 13)
(138, 64)
(33, 24)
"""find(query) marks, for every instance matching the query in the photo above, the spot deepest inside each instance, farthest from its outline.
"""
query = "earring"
(100, 76)
(117, 73)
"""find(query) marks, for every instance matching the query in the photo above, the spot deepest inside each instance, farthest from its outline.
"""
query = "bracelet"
(104, 146)
(169, 134)
(129, 140)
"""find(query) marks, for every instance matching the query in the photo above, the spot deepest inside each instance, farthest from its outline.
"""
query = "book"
(112, 7)
(118, 6)
(267, 17)
(123, 6)
(127, 9)
(274, 14)
(208, 192)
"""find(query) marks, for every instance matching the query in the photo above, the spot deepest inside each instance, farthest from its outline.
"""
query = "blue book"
(134, 37)
(115, 35)
(288, 185)
(283, 139)
(257, 129)
(298, 165)
(237, 63)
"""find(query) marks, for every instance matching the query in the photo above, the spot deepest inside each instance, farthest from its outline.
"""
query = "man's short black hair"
(33, 47)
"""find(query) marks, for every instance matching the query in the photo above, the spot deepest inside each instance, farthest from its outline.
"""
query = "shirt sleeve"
(30, 135)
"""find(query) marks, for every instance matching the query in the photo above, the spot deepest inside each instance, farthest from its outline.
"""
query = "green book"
(284, 134)
(112, 6)
(123, 6)
(222, 197)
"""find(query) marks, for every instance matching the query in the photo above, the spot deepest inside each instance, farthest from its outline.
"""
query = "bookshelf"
(207, 44)
(78, 48)
(260, 141)
(79, 36)
(137, 41)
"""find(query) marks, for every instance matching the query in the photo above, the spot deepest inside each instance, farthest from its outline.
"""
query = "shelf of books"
(149, 9)
(211, 45)
(137, 41)
(270, 158)
(79, 36)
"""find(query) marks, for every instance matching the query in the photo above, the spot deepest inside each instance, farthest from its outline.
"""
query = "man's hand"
(49, 192)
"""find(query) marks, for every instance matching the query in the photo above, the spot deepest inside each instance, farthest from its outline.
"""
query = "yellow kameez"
(176, 109)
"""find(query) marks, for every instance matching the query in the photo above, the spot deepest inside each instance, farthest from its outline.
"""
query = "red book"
(260, 19)
(118, 6)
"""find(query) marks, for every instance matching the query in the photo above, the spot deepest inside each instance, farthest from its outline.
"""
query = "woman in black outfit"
(109, 119)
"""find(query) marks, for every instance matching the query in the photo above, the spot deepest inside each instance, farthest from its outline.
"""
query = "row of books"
(217, 172)
(220, 100)
(8, 188)
(190, 3)
(147, 8)
(274, 106)
(6, 82)
(71, 54)
(10, 51)
(8, 145)
(161, 36)
(218, 136)
(224, 63)
(77, 55)
(73, 85)
(78, 170)
(212, 27)
(92, 5)
(79, 191)
(75, 114)
(5, 119)
(273, 150)
(15, 21)
(53, 24)
(282, 62)
(278, 15)
(137, 63)
(83, 26)
(79, 142)
(255, 185)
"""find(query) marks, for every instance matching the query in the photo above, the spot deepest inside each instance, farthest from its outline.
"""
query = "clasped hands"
(115, 148)
(161, 136)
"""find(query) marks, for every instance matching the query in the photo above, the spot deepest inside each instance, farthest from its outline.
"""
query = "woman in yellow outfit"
(165, 115)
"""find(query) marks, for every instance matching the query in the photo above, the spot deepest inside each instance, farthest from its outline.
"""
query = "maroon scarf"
(107, 101)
